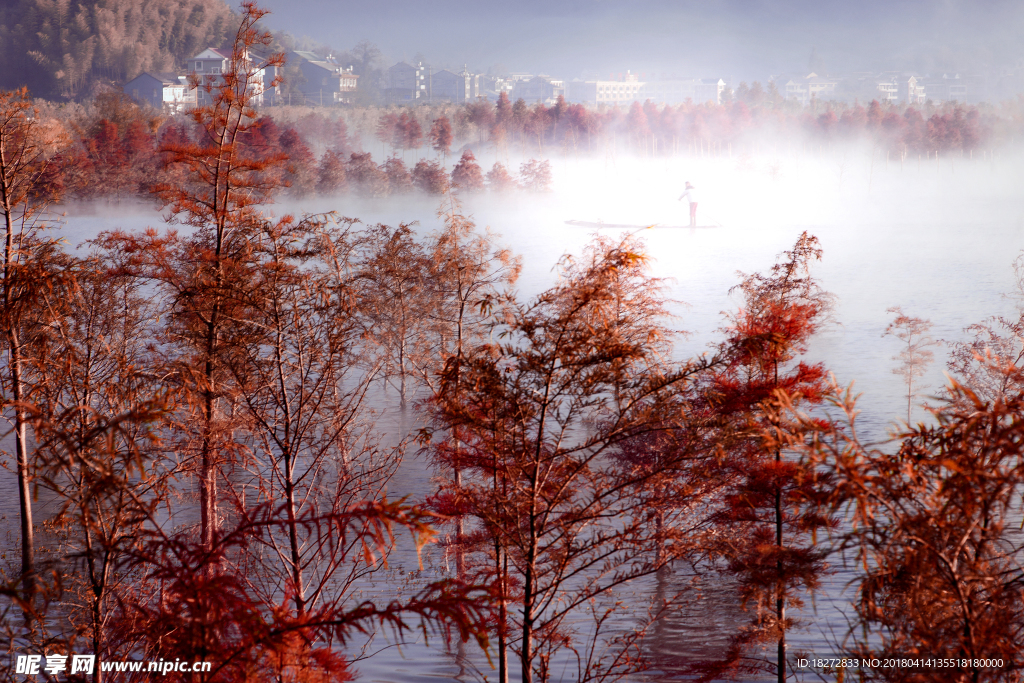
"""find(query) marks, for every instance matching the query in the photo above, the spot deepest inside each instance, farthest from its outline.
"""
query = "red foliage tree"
(499, 179)
(636, 122)
(410, 132)
(429, 177)
(480, 114)
(915, 132)
(874, 115)
(227, 180)
(265, 323)
(96, 426)
(579, 123)
(467, 176)
(503, 110)
(773, 498)
(324, 132)
(386, 127)
(441, 136)
(264, 135)
(331, 178)
(520, 117)
(935, 524)
(558, 526)
(30, 267)
(366, 176)
(140, 156)
(536, 175)
(538, 124)
(300, 171)
(398, 176)
(107, 159)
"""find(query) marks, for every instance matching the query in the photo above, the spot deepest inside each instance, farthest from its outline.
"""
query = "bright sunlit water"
(937, 238)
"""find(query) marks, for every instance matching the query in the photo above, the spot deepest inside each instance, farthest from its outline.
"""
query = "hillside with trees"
(60, 49)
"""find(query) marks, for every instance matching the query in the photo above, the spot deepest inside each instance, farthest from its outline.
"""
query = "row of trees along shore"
(231, 367)
(111, 146)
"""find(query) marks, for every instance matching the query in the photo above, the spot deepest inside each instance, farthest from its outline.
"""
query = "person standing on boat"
(691, 196)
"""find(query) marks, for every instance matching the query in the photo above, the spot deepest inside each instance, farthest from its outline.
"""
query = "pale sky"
(743, 38)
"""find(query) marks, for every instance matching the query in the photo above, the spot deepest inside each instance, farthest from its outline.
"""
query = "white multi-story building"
(632, 89)
(911, 90)
(680, 90)
(891, 87)
(211, 63)
(804, 89)
(624, 91)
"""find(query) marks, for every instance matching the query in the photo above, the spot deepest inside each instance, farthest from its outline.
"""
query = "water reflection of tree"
(704, 612)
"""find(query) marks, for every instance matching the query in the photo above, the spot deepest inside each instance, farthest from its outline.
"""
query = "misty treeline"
(111, 147)
(115, 149)
(748, 124)
(197, 405)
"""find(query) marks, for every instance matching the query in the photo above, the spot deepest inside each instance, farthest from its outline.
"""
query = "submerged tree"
(468, 274)
(331, 178)
(312, 517)
(267, 345)
(396, 303)
(429, 177)
(536, 175)
(367, 176)
(916, 355)
(935, 525)
(990, 361)
(200, 273)
(32, 263)
(467, 176)
(98, 412)
(537, 417)
(773, 497)
(441, 137)
(499, 179)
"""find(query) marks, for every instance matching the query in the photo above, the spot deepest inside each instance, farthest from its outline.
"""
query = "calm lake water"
(937, 239)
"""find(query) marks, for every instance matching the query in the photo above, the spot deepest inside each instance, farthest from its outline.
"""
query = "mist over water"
(935, 237)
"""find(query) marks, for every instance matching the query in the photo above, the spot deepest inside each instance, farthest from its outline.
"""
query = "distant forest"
(60, 49)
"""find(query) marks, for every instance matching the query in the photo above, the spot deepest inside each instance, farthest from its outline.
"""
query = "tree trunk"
(780, 600)
(17, 389)
(24, 476)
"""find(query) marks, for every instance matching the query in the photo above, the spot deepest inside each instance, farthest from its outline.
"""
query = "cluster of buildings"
(325, 82)
(888, 87)
(407, 83)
